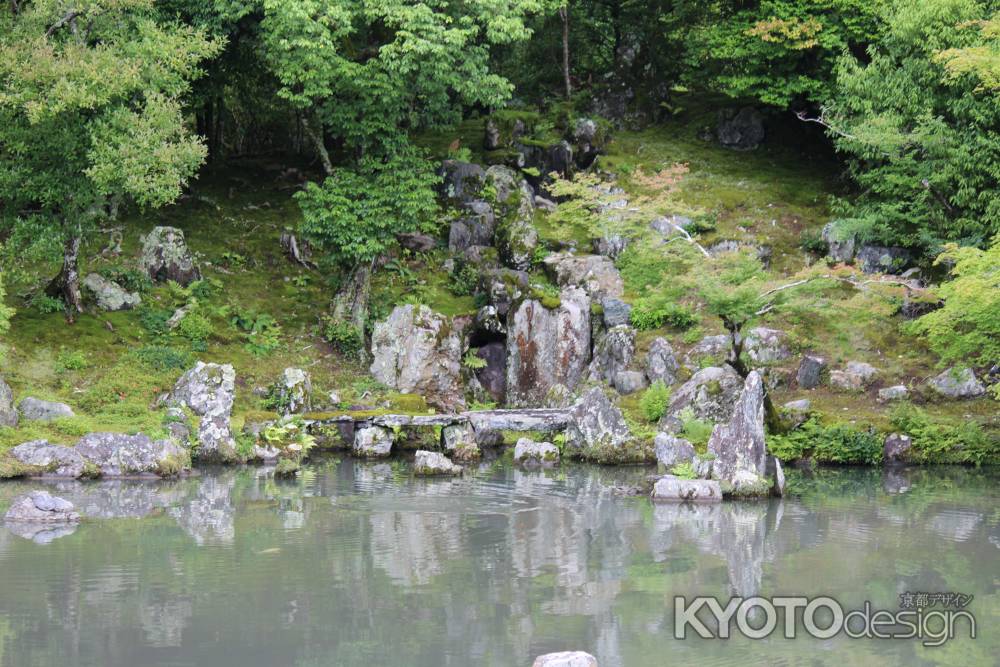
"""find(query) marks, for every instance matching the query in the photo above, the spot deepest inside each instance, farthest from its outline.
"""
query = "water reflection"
(357, 563)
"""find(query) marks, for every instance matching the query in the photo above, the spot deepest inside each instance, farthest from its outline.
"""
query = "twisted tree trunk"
(66, 285)
(350, 304)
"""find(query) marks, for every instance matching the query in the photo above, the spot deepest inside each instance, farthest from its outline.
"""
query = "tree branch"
(70, 16)
(687, 237)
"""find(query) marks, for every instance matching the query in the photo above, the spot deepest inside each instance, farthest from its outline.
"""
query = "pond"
(357, 563)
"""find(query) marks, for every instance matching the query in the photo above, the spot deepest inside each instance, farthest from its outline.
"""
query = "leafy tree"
(781, 52)
(967, 328)
(919, 123)
(5, 313)
(90, 116)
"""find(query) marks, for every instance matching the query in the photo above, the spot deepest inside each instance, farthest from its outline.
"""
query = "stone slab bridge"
(482, 421)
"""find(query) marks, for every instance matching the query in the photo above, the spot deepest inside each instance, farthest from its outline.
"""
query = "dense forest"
(829, 166)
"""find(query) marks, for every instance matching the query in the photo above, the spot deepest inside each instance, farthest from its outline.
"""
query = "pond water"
(357, 563)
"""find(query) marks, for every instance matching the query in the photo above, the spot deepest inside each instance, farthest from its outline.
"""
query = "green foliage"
(781, 52)
(694, 430)
(71, 360)
(162, 358)
(133, 280)
(653, 313)
(154, 320)
(290, 437)
(464, 278)
(684, 471)
(945, 442)
(343, 336)
(920, 133)
(90, 112)
(45, 304)
(473, 361)
(654, 401)
(834, 443)
(261, 330)
(6, 313)
(967, 328)
(355, 214)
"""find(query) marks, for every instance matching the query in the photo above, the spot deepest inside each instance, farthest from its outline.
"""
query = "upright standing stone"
(740, 452)
(8, 414)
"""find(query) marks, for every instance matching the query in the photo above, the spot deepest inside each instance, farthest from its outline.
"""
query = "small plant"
(71, 360)
(162, 358)
(693, 429)
(652, 314)
(262, 331)
(343, 336)
(196, 328)
(464, 278)
(154, 320)
(473, 361)
(132, 280)
(45, 304)
(233, 260)
(684, 471)
(654, 401)
(301, 282)
(288, 435)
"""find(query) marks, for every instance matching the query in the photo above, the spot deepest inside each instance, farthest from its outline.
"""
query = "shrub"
(71, 360)
(195, 327)
(655, 400)
(834, 443)
(154, 320)
(162, 358)
(343, 336)
(463, 279)
(45, 304)
(262, 331)
(965, 442)
(132, 280)
(653, 314)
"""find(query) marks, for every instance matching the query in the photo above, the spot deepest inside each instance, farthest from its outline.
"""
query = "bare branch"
(687, 237)
(68, 18)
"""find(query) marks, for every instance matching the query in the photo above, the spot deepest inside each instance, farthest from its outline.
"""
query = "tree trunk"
(316, 136)
(735, 359)
(350, 304)
(564, 15)
(66, 285)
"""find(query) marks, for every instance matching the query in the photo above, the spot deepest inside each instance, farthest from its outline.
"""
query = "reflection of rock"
(566, 659)
(209, 516)
(165, 620)
(41, 533)
(957, 525)
(41, 507)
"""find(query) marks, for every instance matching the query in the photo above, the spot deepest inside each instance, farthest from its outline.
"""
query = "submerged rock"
(110, 296)
(738, 446)
(434, 463)
(165, 256)
(547, 348)
(565, 659)
(896, 448)
(418, 351)
(460, 442)
(673, 489)
(8, 414)
(209, 390)
(118, 454)
(957, 383)
(34, 409)
(528, 452)
(41, 507)
(373, 442)
(48, 460)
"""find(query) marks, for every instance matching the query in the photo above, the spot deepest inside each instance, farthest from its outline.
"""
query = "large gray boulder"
(671, 450)
(516, 237)
(165, 256)
(547, 348)
(741, 130)
(209, 390)
(596, 424)
(527, 452)
(596, 274)
(460, 442)
(883, 259)
(292, 393)
(613, 354)
(711, 394)
(856, 376)
(957, 383)
(8, 414)
(41, 507)
(710, 348)
(418, 351)
(373, 442)
(565, 659)
(738, 446)
(897, 392)
(661, 363)
(48, 460)
(474, 227)
(810, 373)
(121, 455)
(616, 312)
(840, 246)
(896, 448)
(34, 409)
(434, 463)
(673, 489)
(461, 181)
(108, 295)
(766, 346)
